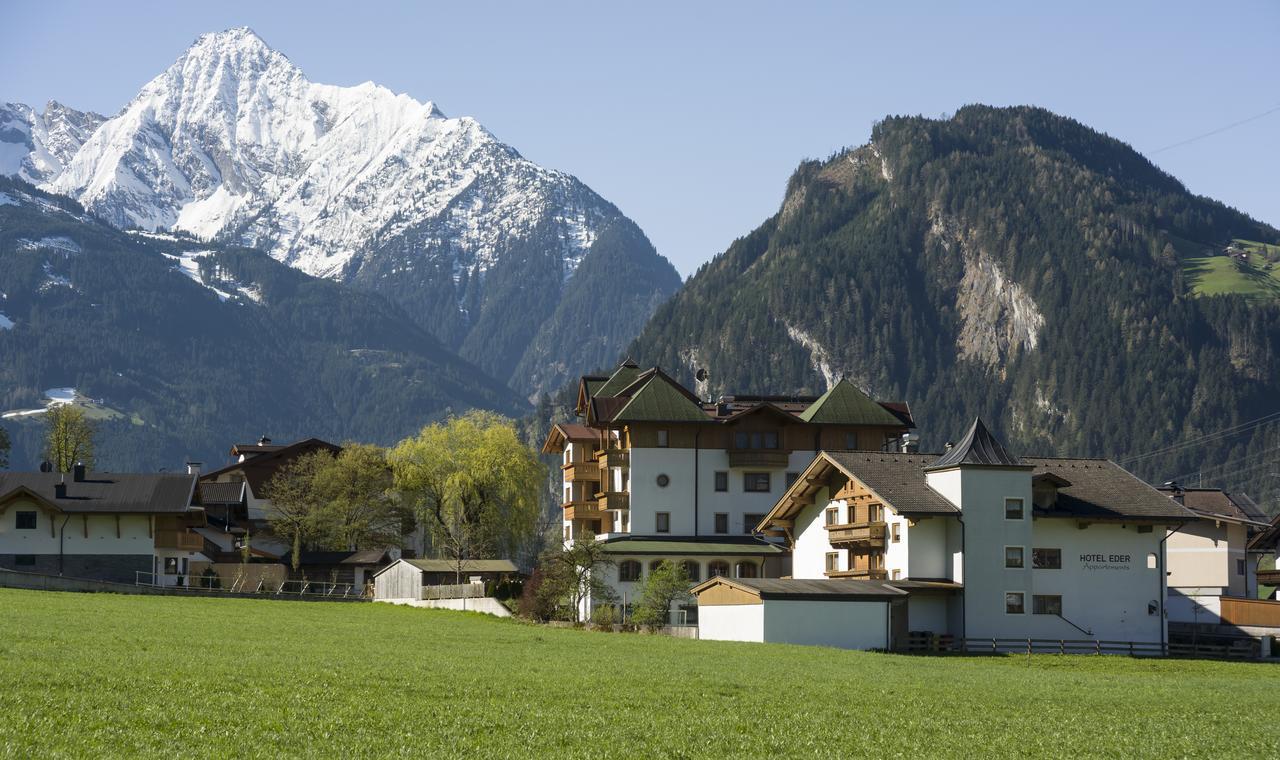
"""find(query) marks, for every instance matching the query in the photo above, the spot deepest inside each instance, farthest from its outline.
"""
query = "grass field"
(107, 675)
(1211, 275)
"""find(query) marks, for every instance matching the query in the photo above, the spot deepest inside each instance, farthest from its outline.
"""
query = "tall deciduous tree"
(297, 502)
(473, 484)
(358, 508)
(68, 437)
(573, 576)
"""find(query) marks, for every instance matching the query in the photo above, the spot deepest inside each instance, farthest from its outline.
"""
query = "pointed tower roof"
(845, 404)
(978, 447)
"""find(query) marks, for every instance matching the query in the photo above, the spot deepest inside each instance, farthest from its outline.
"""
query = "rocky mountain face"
(361, 185)
(178, 347)
(35, 147)
(1008, 263)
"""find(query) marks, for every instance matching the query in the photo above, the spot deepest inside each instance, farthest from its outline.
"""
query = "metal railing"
(1224, 647)
(307, 588)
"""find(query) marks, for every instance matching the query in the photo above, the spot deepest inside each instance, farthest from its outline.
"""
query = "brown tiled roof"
(105, 492)
(260, 469)
(1215, 502)
(1101, 489)
(897, 478)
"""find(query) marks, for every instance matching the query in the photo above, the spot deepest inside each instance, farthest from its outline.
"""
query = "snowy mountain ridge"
(232, 143)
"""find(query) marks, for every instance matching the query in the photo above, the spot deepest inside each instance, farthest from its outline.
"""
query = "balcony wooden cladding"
(179, 539)
(584, 510)
(613, 500)
(869, 573)
(581, 471)
(869, 534)
(613, 458)
(770, 458)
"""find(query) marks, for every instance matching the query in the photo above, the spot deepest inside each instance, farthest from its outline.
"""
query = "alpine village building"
(659, 474)
(975, 543)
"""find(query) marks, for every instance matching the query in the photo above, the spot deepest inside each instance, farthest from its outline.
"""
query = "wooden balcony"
(179, 539)
(584, 510)
(613, 500)
(613, 458)
(581, 471)
(1269, 577)
(870, 574)
(869, 534)
(767, 458)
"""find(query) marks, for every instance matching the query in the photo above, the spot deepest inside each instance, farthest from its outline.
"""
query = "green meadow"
(1257, 278)
(111, 676)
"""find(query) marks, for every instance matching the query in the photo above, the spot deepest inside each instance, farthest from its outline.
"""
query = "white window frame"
(657, 522)
(664, 438)
(1022, 512)
(1051, 614)
(1023, 555)
(1005, 599)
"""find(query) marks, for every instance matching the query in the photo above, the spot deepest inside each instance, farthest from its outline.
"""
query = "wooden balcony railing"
(179, 539)
(613, 500)
(584, 510)
(613, 458)
(581, 471)
(872, 574)
(860, 534)
(770, 458)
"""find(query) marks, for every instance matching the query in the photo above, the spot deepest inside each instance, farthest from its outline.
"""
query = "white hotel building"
(973, 544)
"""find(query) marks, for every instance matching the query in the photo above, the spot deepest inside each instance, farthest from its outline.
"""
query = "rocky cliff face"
(358, 184)
(1007, 263)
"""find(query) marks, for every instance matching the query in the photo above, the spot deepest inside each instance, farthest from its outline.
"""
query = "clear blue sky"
(691, 116)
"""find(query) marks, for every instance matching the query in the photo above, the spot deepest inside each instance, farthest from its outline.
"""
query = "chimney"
(1176, 489)
(193, 468)
(264, 441)
(60, 489)
(910, 443)
(948, 446)
(77, 472)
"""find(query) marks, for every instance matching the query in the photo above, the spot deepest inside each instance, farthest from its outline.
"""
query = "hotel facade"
(973, 544)
(658, 474)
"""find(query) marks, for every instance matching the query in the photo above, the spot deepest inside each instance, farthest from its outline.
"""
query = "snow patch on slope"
(53, 397)
(5, 322)
(58, 243)
(188, 263)
(8, 200)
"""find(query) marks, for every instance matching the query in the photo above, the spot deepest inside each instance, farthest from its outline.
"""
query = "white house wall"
(849, 625)
(135, 536)
(929, 556)
(731, 622)
(808, 559)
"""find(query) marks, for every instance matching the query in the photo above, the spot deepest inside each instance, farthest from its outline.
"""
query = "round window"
(663, 480)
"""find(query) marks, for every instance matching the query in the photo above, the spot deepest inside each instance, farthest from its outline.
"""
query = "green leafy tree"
(667, 584)
(473, 485)
(573, 576)
(68, 437)
(297, 503)
(358, 508)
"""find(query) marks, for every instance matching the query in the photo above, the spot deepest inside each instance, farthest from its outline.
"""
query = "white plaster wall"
(929, 556)
(648, 498)
(808, 560)
(928, 612)
(1109, 598)
(1199, 556)
(897, 556)
(731, 622)
(134, 537)
(1194, 608)
(848, 625)
(628, 591)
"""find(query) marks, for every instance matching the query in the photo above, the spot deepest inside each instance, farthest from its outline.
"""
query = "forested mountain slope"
(1009, 263)
(186, 347)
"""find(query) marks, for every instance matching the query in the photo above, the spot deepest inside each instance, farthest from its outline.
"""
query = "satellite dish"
(46, 466)
(701, 375)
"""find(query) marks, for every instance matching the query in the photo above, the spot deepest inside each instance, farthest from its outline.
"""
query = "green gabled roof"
(660, 401)
(593, 385)
(844, 404)
(624, 375)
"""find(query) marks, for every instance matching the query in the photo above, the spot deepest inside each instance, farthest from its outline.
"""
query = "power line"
(1222, 477)
(1219, 130)
(1205, 438)
(1229, 463)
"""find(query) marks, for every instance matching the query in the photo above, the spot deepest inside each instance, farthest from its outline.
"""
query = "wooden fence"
(458, 591)
(1210, 647)
(1258, 613)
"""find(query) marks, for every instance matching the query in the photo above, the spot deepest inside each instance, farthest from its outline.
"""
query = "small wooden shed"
(404, 578)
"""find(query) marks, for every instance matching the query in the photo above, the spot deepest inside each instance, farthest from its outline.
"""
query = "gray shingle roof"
(830, 589)
(221, 493)
(1217, 502)
(978, 447)
(109, 492)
